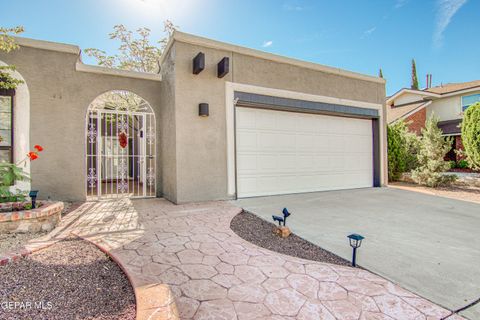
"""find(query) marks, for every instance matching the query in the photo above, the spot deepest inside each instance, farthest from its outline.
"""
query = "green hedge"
(471, 135)
(402, 149)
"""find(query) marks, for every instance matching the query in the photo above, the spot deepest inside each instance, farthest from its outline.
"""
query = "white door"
(281, 152)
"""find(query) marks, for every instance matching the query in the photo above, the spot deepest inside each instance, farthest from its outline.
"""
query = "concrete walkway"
(425, 243)
(194, 267)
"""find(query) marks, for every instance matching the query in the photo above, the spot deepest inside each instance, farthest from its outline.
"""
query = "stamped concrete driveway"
(427, 244)
(185, 262)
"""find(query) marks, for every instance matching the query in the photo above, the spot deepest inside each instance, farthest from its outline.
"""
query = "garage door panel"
(284, 152)
(285, 142)
(284, 120)
(246, 141)
(265, 122)
(267, 163)
(268, 141)
(245, 118)
(336, 143)
(286, 162)
(305, 142)
(247, 163)
(322, 162)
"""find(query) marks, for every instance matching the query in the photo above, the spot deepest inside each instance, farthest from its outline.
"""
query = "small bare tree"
(136, 52)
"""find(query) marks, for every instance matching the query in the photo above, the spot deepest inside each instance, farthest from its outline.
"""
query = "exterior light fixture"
(203, 110)
(33, 196)
(355, 243)
(281, 220)
(199, 63)
(223, 67)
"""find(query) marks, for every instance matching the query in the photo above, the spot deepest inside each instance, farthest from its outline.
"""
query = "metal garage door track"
(427, 244)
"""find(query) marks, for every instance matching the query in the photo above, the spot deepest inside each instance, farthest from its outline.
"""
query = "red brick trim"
(143, 296)
(23, 252)
(47, 209)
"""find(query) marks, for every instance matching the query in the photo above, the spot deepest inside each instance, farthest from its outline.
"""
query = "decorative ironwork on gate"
(120, 147)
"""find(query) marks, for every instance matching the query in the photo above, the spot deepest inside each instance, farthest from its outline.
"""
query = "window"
(467, 101)
(6, 128)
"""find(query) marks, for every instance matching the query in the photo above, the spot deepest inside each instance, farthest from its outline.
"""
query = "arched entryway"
(120, 147)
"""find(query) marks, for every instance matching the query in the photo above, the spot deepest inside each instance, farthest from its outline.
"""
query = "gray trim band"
(286, 104)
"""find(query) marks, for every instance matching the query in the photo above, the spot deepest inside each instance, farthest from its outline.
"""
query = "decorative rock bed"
(44, 218)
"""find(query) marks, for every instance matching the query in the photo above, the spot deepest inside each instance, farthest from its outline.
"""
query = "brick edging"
(142, 311)
(47, 209)
(23, 252)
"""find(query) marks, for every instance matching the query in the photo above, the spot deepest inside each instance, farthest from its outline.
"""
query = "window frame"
(11, 94)
(465, 107)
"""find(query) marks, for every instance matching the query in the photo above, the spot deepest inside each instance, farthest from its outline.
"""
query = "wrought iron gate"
(121, 153)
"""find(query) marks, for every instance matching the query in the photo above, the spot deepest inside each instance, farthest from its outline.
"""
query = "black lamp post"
(355, 242)
(33, 196)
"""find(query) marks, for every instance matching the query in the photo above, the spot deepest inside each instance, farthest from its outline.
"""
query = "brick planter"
(44, 218)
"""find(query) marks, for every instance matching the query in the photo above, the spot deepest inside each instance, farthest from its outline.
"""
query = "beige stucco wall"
(407, 98)
(201, 142)
(167, 127)
(448, 108)
(59, 98)
(192, 151)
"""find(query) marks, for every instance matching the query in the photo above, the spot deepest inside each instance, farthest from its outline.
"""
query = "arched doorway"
(120, 147)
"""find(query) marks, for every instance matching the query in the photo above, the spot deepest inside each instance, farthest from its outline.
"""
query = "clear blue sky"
(358, 35)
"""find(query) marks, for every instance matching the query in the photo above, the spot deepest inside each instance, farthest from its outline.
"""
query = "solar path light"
(355, 242)
(33, 196)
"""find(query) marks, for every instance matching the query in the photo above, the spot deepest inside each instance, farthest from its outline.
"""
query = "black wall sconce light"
(203, 110)
(223, 67)
(199, 63)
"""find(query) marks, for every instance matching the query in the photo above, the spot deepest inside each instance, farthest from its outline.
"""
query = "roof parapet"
(214, 44)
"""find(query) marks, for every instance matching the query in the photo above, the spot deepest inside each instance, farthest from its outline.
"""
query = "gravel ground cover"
(260, 232)
(465, 193)
(71, 279)
(13, 241)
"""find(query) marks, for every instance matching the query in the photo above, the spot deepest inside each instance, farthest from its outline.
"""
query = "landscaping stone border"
(151, 300)
(44, 218)
(22, 252)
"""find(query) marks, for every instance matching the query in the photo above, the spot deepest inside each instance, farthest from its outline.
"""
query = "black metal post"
(354, 257)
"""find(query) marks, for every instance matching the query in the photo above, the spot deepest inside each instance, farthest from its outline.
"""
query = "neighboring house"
(219, 122)
(447, 102)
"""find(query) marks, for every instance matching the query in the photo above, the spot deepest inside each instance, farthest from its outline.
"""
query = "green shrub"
(431, 163)
(471, 135)
(402, 149)
(9, 174)
(453, 164)
(462, 164)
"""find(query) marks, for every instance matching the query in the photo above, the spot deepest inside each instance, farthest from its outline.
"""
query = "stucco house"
(218, 122)
(447, 102)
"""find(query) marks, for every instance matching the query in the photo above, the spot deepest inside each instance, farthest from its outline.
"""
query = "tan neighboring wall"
(201, 142)
(59, 98)
(448, 108)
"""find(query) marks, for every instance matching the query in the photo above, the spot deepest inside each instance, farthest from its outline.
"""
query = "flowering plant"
(11, 172)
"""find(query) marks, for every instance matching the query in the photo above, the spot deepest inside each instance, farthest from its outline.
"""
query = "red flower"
(38, 147)
(32, 155)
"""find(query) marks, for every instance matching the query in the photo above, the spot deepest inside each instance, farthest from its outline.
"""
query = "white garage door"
(284, 152)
